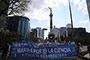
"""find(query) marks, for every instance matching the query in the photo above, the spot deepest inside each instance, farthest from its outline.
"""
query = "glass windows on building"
(19, 24)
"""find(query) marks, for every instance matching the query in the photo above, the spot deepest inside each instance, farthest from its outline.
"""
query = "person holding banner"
(5, 51)
(89, 50)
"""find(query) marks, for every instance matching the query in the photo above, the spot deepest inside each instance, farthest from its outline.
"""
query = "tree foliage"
(85, 40)
(32, 38)
(6, 37)
(14, 6)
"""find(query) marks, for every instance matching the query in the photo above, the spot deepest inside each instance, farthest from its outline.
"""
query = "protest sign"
(30, 49)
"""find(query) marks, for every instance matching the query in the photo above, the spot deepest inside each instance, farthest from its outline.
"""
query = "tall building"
(63, 31)
(56, 31)
(43, 32)
(39, 32)
(34, 31)
(19, 24)
(76, 32)
(68, 26)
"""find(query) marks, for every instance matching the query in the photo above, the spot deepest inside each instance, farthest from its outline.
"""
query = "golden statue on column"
(51, 35)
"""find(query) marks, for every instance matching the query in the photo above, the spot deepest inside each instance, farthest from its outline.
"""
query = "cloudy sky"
(39, 13)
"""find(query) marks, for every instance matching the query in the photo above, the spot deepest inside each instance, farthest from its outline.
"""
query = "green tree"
(9, 7)
(85, 40)
(12, 7)
(7, 37)
(32, 38)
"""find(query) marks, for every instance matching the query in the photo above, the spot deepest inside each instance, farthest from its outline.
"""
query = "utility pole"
(70, 14)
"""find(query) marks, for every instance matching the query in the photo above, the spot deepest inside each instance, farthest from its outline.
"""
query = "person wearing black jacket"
(89, 50)
(5, 49)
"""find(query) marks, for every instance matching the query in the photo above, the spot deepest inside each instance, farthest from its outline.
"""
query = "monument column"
(51, 34)
(51, 15)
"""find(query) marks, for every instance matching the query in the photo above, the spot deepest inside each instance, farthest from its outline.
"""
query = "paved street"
(73, 58)
(70, 58)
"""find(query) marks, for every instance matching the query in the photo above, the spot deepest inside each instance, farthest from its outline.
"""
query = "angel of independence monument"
(51, 35)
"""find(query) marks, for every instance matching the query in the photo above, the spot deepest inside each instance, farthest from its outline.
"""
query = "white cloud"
(39, 8)
(83, 7)
(40, 15)
(65, 2)
(76, 2)
(81, 4)
(84, 21)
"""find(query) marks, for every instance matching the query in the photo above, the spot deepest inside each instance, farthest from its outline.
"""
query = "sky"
(38, 13)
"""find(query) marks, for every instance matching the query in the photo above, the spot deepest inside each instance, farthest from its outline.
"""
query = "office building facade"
(63, 31)
(76, 32)
(19, 24)
(56, 31)
(68, 26)
(39, 32)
